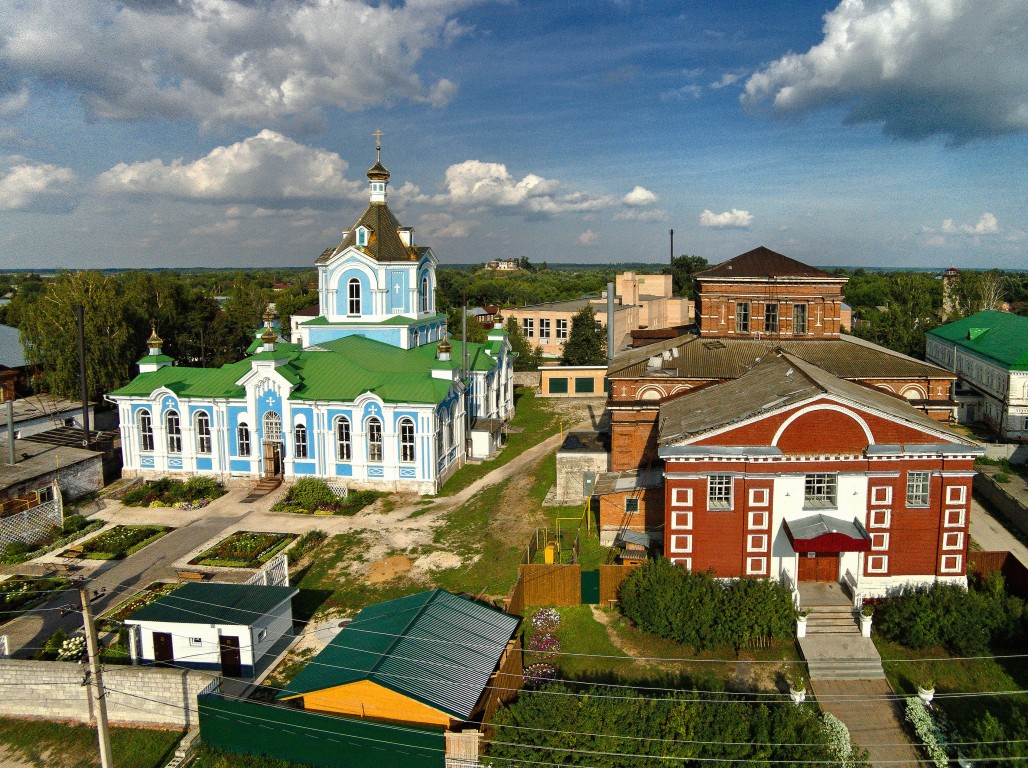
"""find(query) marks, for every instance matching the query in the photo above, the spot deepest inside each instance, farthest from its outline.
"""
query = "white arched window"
(424, 294)
(203, 433)
(344, 444)
(272, 427)
(374, 440)
(243, 439)
(174, 430)
(406, 440)
(145, 431)
(447, 429)
(300, 441)
(417, 339)
(353, 296)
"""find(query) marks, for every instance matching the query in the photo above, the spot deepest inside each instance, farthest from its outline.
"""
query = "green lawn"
(537, 420)
(215, 758)
(47, 744)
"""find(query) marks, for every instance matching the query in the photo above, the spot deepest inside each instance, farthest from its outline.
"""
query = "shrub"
(700, 611)
(74, 523)
(16, 549)
(927, 731)
(1001, 477)
(200, 488)
(311, 493)
(52, 646)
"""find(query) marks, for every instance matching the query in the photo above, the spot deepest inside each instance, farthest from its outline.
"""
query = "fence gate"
(590, 587)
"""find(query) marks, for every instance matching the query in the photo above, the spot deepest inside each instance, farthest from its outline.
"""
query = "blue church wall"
(342, 283)
(239, 465)
(305, 416)
(399, 290)
(344, 470)
(423, 270)
(236, 414)
(371, 409)
(391, 336)
(169, 403)
(305, 468)
(204, 463)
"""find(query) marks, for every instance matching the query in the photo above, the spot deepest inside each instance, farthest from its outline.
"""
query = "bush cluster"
(965, 622)
(166, 492)
(704, 612)
(309, 495)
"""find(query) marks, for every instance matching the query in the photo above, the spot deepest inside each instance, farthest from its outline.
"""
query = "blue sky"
(164, 133)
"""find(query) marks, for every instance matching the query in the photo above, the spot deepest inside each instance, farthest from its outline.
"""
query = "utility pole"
(96, 680)
(672, 233)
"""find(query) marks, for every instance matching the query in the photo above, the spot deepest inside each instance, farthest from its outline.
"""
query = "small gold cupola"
(377, 174)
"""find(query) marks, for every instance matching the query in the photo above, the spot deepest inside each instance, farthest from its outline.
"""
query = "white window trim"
(960, 497)
(683, 561)
(756, 566)
(871, 518)
(952, 564)
(885, 497)
(879, 542)
(959, 523)
(763, 517)
(681, 497)
(682, 520)
(882, 568)
(953, 540)
(759, 497)
(721, 506)
(756, 542)
(681, 542)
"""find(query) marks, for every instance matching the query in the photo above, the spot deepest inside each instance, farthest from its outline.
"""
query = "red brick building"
(790, 472)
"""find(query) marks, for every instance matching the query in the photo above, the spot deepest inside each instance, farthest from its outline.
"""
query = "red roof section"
(762, 263)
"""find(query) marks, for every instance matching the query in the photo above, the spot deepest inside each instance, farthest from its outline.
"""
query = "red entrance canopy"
(820, 533)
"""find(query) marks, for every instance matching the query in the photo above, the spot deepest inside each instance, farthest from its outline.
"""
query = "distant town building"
(988, 351)
(503, 265)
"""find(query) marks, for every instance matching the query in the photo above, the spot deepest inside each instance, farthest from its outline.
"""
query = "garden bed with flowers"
(111, 620)
(18, 594)
(194, 493)
(244, 549)
(118, 542)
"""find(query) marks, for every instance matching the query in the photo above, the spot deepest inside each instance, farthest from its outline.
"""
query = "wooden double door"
(818, 566)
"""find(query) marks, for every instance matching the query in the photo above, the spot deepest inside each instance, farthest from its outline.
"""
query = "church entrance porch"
(818, 567)
(272, 461)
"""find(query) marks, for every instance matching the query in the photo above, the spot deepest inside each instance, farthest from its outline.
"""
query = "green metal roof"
(189, 382)
(280, 346)
(1000, 336)
(238, 604)
(435, 647)
(154, 359)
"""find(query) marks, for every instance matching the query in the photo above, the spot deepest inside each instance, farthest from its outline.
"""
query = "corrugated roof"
(776, 382)
(189, 382)
(384, 243)
(1000, 336)
(12, 354)
(627, 480)
(435, 647)
(240, 604)
(693, 357)
(763, 263)
(572, 305)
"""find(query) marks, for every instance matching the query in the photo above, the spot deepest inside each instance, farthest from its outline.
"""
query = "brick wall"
(648, 518)
(718, 301)
(135, 695)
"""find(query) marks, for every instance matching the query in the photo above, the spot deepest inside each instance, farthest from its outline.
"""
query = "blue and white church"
(376, 395)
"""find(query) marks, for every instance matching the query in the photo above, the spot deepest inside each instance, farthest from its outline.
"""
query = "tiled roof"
(239, 604)
(384, 243)
(12, 354)
(435, 647)
(775, 382)
(1000, 336)
(762, 263)
(693, 357)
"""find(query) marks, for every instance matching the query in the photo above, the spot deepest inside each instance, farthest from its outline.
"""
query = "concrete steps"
(832, 620)
(845, 669)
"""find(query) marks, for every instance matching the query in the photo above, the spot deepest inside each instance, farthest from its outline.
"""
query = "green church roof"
(1000, 336)
(435, 647)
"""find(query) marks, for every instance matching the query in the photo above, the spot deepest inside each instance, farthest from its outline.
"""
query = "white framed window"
(952, 563)
(917, 488)
(719, 492)
(631, 506)
(758, 520)
(771, 317)
(953, 540)
(353, 296)
(820, 490)
(879, 541)
(682, 520)
(203, 432)
(759, 497)
(562, 329)
(406, 440)
(877, 563)
(528, 327)
(544, 329)
(174, 431)
(300, 441)
(879, 518)
(374, 440)
(881, 494)
(272, 427)
(425, 303)
(954, 518)
(681, 542)
(756, 542)
(956, 494)
(681, 497)
(685, 562)
(756, 566)
(145, 431)
(243, 439)
(799, 319)
(344, 443)
(196, 642)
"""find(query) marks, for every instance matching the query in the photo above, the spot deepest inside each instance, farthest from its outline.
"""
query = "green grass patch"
(19, 594)
(244, 549)
(55, 539)
(121, 541)
(208, 757)
(46, 744)
(537, 420)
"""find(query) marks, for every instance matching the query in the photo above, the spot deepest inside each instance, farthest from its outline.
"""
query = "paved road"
(992, 536)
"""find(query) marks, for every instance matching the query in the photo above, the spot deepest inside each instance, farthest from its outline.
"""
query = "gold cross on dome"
(378, 144)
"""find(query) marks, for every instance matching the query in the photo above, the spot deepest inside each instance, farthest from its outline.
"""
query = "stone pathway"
(992, 536)
(874, 720)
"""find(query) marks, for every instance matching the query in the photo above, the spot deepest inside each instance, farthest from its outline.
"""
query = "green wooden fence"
(325, 741)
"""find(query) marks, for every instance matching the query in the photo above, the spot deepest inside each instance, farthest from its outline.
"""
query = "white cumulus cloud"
(266, 167)
(588, 238)
(733, 219)
(25, 184)
(987, 224)
(229, 61)
(639, 196)
(953, 68)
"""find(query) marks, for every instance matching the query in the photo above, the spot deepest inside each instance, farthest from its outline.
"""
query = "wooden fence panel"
(551, 584)
(506, 681)
(611, 578)
(1015, 574)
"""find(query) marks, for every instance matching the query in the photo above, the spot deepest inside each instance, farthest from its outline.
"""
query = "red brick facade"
(796, 308)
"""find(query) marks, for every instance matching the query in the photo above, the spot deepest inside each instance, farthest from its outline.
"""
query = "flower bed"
(18, 594)
(54, 540)
(195, 493)
(111, 620)
(245, 549)
(121, 541)
(310, 496)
